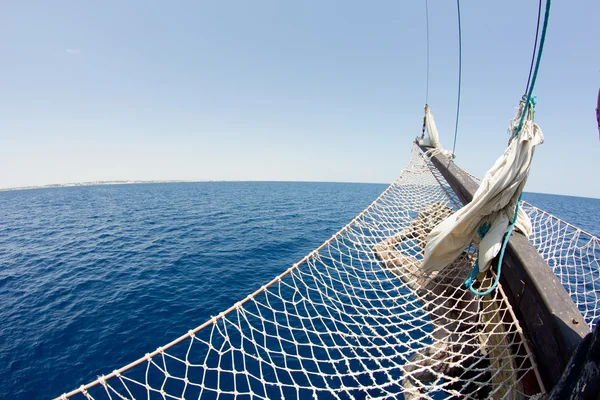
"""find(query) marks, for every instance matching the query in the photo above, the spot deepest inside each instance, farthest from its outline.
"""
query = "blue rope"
(535, 43)
(528, 99)
(529, 102)
(483, 230)
(469, 281)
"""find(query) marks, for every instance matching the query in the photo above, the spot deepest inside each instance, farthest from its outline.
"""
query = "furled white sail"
(433, 138)
(493, 203)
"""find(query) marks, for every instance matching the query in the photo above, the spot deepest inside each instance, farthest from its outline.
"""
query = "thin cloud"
(73, 51)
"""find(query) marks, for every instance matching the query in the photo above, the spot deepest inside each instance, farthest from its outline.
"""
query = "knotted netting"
(573, 255)
(354, 319)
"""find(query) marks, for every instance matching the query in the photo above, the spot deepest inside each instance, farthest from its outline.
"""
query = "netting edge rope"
(160, 350)
(537, 209)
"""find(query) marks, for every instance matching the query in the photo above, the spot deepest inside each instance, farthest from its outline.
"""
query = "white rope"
(352, 319)
(573, 255)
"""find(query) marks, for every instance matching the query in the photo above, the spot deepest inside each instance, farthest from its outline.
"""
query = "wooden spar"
(598, 113)
(551, 321)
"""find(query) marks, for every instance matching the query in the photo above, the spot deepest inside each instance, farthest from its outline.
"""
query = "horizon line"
(152, 181)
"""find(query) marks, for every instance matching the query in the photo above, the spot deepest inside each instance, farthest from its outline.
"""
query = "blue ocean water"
(583, 212)
(92, 278)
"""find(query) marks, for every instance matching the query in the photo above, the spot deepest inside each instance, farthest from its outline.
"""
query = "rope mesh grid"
(353, 319)
(573, 255)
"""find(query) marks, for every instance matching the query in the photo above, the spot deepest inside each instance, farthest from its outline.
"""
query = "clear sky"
(286, 90)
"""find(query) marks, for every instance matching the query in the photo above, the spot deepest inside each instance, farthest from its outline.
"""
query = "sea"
(93, 277)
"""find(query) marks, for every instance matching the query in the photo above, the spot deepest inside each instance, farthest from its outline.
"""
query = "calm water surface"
(92, 278)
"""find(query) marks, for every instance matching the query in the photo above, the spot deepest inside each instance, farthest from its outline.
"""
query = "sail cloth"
(433, 138)
(493, 203)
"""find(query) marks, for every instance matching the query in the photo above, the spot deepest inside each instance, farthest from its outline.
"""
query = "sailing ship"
(447, 285)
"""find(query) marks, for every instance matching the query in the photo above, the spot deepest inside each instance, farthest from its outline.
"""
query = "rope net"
(353, 319)
(573, 255)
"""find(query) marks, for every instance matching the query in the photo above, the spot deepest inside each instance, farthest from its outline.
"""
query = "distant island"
(95, 183)
(100, 183)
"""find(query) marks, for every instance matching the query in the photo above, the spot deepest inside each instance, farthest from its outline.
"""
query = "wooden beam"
(550, 319)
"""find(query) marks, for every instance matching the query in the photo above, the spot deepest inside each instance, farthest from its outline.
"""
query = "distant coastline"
(94, 183)
(134, 182)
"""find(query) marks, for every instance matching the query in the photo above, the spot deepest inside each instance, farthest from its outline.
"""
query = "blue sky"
(281, 90)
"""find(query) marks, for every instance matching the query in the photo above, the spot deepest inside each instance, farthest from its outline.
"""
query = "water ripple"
(92, 278)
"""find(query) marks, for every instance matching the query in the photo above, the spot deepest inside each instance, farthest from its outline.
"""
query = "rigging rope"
(527, 110)
(427, 39)
(427, 69)
(535, 42)
(459, 75)
(541, 49)
(528, 99)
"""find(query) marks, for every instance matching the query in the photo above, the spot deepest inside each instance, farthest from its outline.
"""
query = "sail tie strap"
(482, 231)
